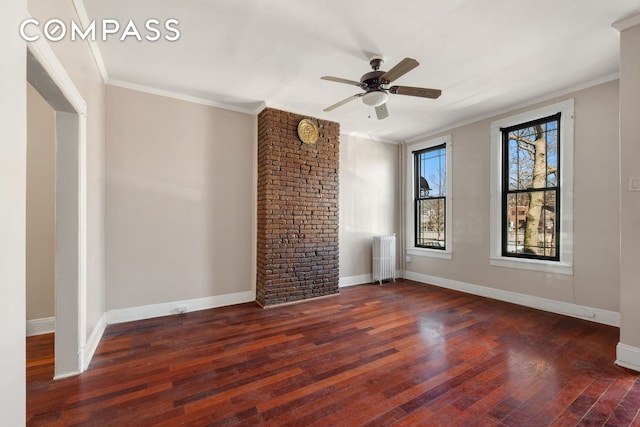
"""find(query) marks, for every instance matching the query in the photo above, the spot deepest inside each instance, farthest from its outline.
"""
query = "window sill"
(430, 253)
(532, 265)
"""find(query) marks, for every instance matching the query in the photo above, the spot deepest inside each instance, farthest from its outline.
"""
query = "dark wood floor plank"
(401, 354)
(215, 397)
(628, 409)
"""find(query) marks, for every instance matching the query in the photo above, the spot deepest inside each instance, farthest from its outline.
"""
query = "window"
(429, 198)
(530, 187)
(532, 190)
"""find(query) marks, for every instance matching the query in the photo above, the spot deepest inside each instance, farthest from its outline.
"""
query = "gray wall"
(595, 282)
(176, 168)
(180, 206)
(41, 178)
(630, 201)
(369, 201)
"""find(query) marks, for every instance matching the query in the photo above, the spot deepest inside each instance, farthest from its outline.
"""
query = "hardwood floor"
(399, 354)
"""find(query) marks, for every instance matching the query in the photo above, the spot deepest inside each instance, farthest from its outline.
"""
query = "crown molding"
(81, 11)
(626, 23)
(183, 97)
(509, 109)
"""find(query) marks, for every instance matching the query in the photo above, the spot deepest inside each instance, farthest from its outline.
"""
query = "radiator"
(384, 258)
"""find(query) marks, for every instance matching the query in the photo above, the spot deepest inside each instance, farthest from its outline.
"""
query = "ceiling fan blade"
(344, 101)
(402, 68)
(416, 91)
(382, 112)
(340, 80)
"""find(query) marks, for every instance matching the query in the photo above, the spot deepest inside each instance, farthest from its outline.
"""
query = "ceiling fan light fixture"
(375, 98)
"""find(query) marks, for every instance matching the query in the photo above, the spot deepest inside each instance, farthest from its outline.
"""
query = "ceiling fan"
(375, 85)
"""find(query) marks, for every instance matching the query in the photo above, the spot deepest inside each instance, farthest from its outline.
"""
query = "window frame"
(411, 187)
(506, 191)
(564, 262)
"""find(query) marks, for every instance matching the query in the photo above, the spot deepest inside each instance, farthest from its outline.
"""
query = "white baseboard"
(66, 375)
(93, 341)
(354, 280)
(362, 279)
(628, 356)
(42, 326)
(166, 309)
(606, 317)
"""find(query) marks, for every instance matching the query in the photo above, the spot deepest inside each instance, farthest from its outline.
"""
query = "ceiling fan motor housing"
(372, 80)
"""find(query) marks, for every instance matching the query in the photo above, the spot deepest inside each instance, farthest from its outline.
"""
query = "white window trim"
(565, 265)
(409, 202)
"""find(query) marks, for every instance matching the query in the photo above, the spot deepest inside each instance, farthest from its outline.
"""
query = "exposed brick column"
(297, 210)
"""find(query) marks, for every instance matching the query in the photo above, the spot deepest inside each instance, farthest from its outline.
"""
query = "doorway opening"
(48, 77)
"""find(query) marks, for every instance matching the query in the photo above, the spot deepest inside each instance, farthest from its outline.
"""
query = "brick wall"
(297, 210)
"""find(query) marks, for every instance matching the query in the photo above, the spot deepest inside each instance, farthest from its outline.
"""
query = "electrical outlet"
(634, 183)
(408, 258)
(182, 309)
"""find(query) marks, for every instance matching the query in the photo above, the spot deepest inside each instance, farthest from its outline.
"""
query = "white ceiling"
(485, 55)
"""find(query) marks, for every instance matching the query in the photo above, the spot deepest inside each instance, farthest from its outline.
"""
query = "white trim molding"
(628, 356)
(93, 341)
(253, 109)
(362, 279)
(597, 315)
(627, 23)
(150, 311)
(47, 75)
(64, 375)
(355, 280)
(81, 11)
(410, 221)
(45, 325)
(510, 109)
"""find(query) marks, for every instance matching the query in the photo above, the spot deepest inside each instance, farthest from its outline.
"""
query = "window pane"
(430, 214)
(552, 153)
(548, 224)
(517, 208)
(432, 169)
(533, 156)
(531, 225)
(520, 163)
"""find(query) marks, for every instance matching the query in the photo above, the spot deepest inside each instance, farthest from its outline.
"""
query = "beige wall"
(630, 201)
(180, 200)
(41, 175)
(79, 63)
(369, 197)
(13, 146)
(596, 240)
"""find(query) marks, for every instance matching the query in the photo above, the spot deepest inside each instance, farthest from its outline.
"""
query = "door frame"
(47, 75)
